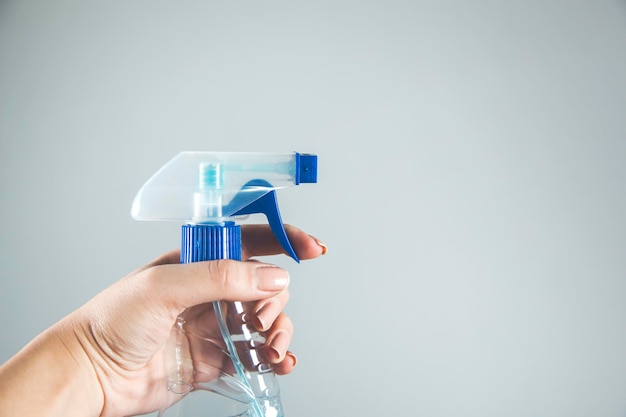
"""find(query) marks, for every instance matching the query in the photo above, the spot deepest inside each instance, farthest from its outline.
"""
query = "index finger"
(259, 240)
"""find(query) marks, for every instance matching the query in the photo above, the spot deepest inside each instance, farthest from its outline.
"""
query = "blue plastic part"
(267, 204)
(208, 242)
(306, 168)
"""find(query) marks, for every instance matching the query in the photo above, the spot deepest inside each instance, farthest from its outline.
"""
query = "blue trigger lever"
(267, 204)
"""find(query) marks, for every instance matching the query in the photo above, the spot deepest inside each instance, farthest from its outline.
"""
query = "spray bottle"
(208, 192)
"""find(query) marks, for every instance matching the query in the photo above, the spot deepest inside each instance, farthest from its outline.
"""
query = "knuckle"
(225, 273)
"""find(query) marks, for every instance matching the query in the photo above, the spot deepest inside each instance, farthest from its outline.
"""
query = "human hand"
(113, 347)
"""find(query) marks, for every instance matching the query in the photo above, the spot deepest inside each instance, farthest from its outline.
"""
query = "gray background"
(471, 189)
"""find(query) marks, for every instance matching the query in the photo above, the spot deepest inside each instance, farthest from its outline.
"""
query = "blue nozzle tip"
(306, 168)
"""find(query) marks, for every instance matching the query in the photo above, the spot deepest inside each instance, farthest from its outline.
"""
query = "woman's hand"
(107, 358)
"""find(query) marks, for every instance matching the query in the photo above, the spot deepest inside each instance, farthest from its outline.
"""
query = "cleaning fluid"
(208, 192)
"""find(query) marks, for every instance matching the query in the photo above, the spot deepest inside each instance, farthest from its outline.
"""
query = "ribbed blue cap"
(208, 242)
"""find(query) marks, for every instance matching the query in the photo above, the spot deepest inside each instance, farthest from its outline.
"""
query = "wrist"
(51, 376)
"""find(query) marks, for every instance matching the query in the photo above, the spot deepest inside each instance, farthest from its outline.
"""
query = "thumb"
(186, 285)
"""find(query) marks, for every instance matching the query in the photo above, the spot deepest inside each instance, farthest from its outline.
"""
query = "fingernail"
(321, 245)
(279, 344)
(259, 317)
(271, 278)
(293, 358)
(324, 248)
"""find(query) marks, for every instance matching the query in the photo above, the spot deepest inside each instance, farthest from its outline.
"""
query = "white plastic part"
(198, 187)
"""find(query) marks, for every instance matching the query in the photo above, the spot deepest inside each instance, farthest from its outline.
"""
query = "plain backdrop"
(472, 183)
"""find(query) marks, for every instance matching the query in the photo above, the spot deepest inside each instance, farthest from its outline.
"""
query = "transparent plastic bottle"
(227, 357)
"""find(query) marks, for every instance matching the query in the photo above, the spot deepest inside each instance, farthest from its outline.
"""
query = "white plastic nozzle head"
(206, 187)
